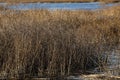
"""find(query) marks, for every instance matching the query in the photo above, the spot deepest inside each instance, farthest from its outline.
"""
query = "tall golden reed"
(56, 43)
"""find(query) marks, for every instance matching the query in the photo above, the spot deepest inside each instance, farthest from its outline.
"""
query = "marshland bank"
(41, 43)
(59, 43)
(58, 1)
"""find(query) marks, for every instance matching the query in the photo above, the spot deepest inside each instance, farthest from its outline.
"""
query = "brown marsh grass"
(17, 1)
(46, 43)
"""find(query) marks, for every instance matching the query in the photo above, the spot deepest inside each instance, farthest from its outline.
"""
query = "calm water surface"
(54, 6)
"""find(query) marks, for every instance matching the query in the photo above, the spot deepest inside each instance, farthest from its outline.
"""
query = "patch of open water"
(54, 6)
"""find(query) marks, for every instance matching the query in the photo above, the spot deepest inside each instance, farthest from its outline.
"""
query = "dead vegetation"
(45, 44)
(100, 77)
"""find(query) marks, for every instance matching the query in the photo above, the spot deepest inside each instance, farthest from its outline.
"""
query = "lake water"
(54, 6)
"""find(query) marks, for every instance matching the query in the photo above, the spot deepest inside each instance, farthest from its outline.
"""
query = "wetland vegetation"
(43, 43)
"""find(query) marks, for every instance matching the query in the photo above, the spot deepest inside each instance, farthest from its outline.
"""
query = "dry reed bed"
(17, 1)
(56, 43)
